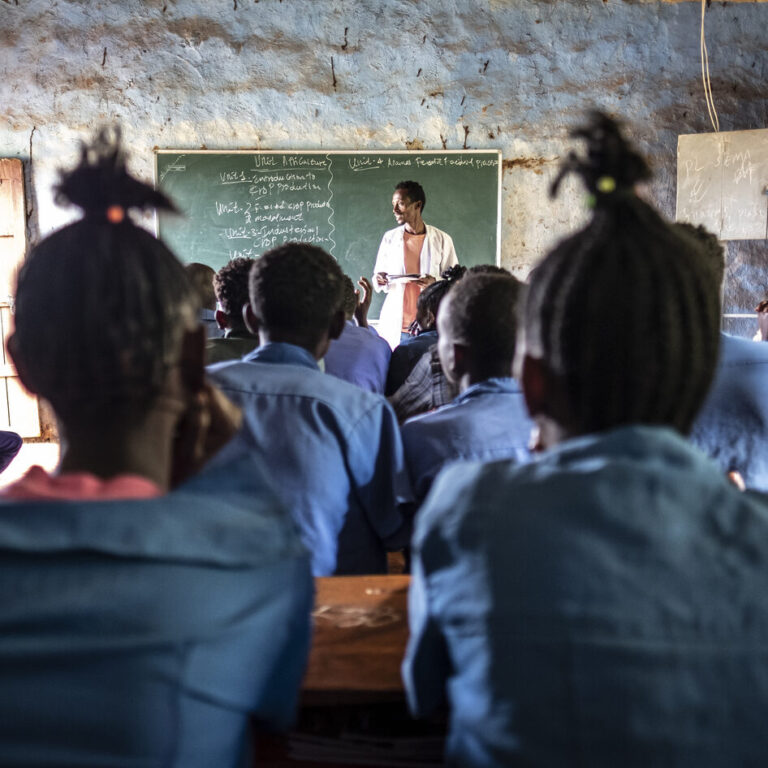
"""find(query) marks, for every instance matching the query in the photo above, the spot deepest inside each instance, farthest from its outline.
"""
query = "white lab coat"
(437, 255)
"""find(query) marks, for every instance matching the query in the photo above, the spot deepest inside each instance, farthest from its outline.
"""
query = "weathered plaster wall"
(365, 74)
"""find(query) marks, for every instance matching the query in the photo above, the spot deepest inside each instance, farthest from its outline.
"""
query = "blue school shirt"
(147, 632)
(604, 605)
(732, 427)
(359, 356)
(486, 422)
(332, 451)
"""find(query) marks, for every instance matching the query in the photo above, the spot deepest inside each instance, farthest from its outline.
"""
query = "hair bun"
(611, 166)
(101, 183)
(454, 273)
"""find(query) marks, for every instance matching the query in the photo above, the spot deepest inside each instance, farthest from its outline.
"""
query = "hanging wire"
(715, 120)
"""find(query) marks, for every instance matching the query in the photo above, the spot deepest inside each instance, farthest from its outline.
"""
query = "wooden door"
(18, 408)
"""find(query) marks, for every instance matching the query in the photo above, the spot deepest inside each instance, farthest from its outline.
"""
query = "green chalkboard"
(243, 203)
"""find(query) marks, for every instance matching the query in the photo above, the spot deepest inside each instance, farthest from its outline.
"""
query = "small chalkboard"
(246, 202)
(721, 183)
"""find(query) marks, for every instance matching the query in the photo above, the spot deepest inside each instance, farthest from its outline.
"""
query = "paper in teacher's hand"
(391, 278)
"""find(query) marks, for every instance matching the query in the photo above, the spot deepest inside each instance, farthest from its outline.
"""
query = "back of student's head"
(102, 306)
(296, 289)
(625, 313)
(428, 303)
(481, 313)
(487, 269)
(201, 276)
(230, 284)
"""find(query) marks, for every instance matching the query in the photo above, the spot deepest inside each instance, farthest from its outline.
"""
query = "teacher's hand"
(381, 278)
(425, 280)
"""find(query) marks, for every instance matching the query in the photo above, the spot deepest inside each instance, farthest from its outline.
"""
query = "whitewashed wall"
(514, 75)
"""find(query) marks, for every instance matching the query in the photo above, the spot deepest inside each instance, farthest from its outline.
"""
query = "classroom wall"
(378, 74)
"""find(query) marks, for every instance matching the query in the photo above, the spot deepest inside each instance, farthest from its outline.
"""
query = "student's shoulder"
(226, 516)
(737, 351)
(469, 488)
(228, 369)
(342, 401)
(426, 423)
(352, 401)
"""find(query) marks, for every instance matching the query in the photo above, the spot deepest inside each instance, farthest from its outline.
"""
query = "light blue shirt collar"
(280, 352)
(506, 385)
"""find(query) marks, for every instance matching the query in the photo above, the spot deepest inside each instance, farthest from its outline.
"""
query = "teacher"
(411, 256)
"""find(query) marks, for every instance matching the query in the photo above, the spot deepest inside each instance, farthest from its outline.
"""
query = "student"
(201, 277)
(230, 285)
(732, 427)
(488, 420)
(425, 389)
(137, 626)
(604, 605)
(333, 450)
(359, 355)
(408, 352)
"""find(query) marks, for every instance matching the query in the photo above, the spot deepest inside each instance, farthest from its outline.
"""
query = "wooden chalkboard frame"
(490, 179)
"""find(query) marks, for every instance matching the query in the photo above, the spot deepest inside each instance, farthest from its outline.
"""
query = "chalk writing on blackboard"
(721, 178)
(242, 203)
(282, 190)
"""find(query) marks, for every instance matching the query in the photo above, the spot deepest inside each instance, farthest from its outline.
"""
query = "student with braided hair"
(605, 604)
(407, 353)
(138, 626)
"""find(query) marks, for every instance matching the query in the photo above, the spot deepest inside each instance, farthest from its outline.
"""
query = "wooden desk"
(360, 632)
(353, 710)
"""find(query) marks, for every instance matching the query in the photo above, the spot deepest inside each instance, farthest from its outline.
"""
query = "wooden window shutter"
(18, 408)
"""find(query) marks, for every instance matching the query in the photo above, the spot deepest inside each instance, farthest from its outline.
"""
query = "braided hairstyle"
(230, 284)
(432, 296)
(101, 305)
(625, 312)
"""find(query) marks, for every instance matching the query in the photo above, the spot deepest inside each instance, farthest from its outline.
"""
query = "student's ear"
(222, 319)
(535, 379)
(458, 361)
(336, 326)
(250, 320)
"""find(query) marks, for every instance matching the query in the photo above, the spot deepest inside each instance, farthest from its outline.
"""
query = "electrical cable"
(715, 120)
